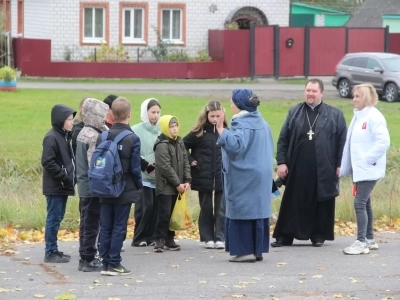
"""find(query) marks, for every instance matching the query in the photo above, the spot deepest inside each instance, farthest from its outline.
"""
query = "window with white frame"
(172, 25)
(94, 25)
(133, 20)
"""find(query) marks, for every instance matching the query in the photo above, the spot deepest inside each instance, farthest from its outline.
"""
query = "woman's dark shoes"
(259, 258)
(281, 243)
(243, 258)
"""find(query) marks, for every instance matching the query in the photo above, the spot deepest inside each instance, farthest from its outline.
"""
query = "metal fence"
(6, 58)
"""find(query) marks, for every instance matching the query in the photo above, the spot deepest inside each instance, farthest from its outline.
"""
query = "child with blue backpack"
(115, 210)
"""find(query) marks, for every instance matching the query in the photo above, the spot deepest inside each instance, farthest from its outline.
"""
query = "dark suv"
(380, 69)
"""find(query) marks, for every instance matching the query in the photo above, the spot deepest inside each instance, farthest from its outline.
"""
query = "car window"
(373, 63)
(392, 64)
(347, 62)
(360, 62)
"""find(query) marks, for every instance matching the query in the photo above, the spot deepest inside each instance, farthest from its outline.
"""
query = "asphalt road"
(297, 272)
(266, 89)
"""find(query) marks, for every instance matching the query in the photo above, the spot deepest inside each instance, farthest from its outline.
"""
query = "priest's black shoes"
(317, 243)
(281, 243)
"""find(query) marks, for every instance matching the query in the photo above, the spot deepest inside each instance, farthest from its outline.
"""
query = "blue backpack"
(106, 177)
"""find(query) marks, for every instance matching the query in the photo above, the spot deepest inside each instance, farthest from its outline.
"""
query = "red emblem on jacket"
(364, 126)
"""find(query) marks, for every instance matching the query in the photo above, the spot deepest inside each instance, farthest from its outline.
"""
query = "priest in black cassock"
(309, 154)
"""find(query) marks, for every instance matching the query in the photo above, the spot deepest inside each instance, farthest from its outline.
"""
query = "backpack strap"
(121, 135)
(104, 135)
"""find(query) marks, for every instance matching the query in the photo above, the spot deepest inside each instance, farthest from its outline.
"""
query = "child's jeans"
(55, 214)
(113, 227)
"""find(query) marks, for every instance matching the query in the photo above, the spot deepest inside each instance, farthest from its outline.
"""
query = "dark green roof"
(319, 8)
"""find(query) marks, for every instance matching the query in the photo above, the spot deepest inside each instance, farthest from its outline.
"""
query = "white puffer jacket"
(364, 154)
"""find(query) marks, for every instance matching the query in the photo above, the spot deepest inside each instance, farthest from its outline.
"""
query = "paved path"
(265, 88)
(297, 272)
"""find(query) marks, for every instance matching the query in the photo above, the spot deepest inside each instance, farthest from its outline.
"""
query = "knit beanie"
(173, 121)
(244, 99)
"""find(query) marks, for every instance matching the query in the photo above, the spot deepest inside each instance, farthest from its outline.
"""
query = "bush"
(109, 54)
(176, 55)
(7, 73)
(202, 55)
(232, 26)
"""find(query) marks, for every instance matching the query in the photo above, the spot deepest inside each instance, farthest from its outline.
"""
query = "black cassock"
(302, 216)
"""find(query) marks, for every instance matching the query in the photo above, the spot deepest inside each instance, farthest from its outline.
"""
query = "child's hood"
(59, 113)
(143, 110)
(164, 125)
(94, 113)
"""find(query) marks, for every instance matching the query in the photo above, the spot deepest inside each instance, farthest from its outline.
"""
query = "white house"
(81, 25)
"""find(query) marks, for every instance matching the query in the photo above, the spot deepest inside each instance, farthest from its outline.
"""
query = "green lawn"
(26, 116)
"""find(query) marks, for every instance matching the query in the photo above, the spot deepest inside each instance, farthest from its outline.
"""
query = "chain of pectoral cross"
(311, 132)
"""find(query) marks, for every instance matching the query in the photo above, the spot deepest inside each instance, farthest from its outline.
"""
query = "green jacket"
(172, 164)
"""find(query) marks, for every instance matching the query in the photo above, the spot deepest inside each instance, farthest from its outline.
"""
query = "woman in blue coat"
(247, 168)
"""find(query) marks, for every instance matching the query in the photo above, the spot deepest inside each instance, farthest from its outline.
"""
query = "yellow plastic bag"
(180, 218)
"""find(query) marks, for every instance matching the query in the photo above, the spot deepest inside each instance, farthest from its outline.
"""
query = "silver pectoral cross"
(310, 134)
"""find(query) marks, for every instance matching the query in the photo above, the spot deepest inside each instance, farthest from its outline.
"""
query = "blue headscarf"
(241, 98)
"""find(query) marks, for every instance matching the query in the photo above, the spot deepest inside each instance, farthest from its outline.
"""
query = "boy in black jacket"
(114, 212)
(58, 163)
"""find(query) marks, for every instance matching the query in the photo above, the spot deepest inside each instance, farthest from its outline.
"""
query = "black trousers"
(166, 204)
(145, 217)
(212, 217)
(89, 227)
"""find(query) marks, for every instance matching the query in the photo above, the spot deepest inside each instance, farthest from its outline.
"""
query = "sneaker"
(117, 271)
(171, 245)
(104, 270)
(372, 245)
(357, 248)
(151, 243)
(62, 254)
(209, 245)
(122, 249)
(159, 245)
(219, 245)
(142, 244)
(55, 257)
(80, 265)
(93, 266)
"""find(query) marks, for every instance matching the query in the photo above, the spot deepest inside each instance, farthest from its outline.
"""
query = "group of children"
(157, 166)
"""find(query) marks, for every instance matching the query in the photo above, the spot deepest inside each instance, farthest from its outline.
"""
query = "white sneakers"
(209, 245)
(216, 245)
(219, 245)
(372, 245)
(357, 248)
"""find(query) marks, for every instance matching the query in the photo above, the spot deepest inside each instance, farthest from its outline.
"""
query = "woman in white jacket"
(364, 158)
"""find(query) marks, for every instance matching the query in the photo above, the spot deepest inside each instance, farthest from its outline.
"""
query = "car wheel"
(391, 93)
(344, 88)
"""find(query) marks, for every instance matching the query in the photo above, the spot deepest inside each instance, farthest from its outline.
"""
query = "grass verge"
(26, 118)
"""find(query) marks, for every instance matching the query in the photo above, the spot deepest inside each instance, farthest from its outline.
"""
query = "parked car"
(378, 68)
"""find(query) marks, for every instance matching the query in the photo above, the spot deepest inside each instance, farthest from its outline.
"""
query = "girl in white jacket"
(364, 158)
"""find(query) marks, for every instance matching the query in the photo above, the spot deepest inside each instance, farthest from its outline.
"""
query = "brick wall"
(59, 21)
